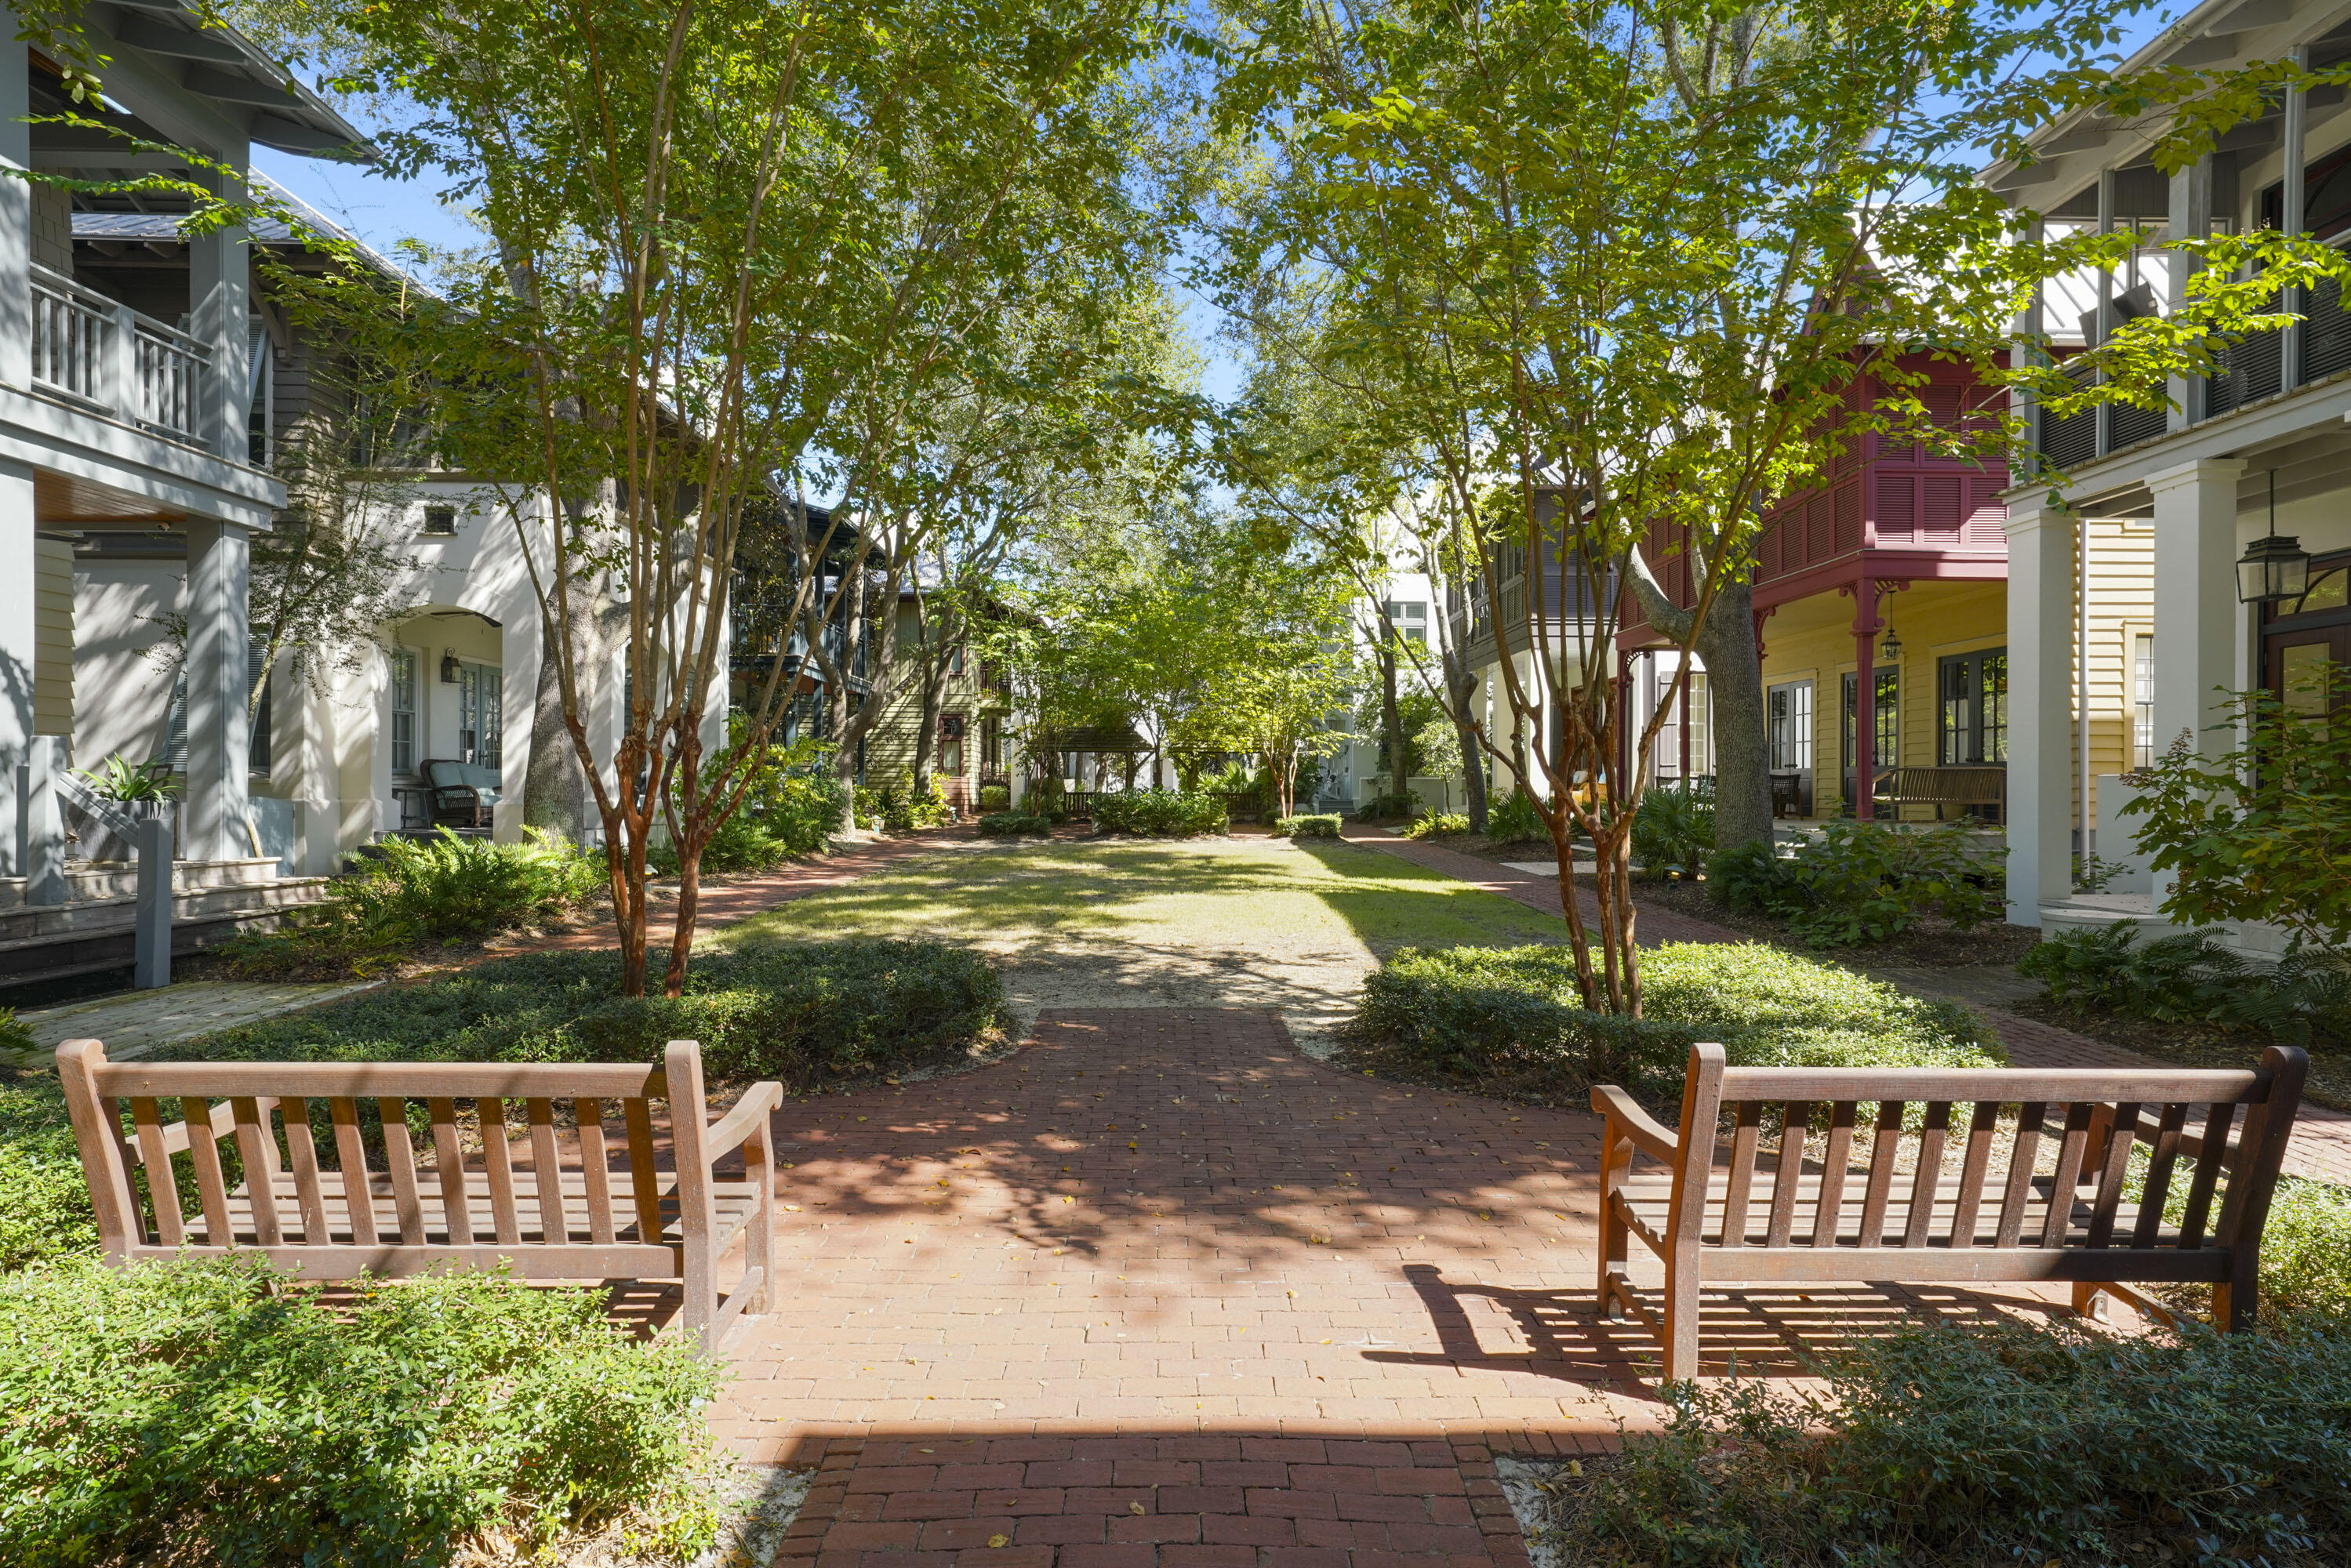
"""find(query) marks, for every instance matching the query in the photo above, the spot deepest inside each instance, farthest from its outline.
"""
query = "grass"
(1237, 894)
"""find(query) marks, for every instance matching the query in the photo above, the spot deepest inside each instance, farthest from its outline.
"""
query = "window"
(2143, 700)
(442, 521)
(1410, 620)
(1886, 715)
(403, 711)
(954, 662)
(258, 751)
(951, 745)
(1790, 726)
(1974, 707)
(481, 708)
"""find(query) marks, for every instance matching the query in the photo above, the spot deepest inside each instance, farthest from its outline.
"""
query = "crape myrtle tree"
(1617, 268)
(731, 247)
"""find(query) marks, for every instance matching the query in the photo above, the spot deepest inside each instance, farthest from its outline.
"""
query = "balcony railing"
(2251, 368)
(105, 354)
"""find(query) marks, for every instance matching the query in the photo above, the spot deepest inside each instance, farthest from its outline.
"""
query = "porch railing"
(105, 354)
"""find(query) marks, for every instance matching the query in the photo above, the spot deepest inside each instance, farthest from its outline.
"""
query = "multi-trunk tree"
(1605, 274)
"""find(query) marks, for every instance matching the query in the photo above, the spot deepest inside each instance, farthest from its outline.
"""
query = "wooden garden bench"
(1793, 1218)
(557, 1209)
(1964, 785)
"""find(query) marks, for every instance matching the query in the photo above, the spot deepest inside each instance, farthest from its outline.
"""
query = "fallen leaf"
(1575, 1467)
(999, 1540)
(1134, 1508)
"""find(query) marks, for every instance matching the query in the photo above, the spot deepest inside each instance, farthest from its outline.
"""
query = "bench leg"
(1681, 1323)
(701, 1295)
(760, 1243)
(2090, 1301)
(1616, 1235)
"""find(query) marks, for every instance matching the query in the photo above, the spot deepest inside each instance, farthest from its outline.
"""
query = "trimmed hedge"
(1318, 827)
(1160, 814)
(1008, 824)
(1513, 1014)
(214, 1411)
(2007, 1443)
(805, 1013)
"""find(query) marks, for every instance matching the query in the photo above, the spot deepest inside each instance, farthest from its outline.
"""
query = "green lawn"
(1205, 893)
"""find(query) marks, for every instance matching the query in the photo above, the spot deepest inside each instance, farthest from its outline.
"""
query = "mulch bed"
(2198, 1044)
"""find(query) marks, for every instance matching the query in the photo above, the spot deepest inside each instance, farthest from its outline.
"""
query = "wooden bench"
(1964, 785)
(1791, 1216)
(304, 1205)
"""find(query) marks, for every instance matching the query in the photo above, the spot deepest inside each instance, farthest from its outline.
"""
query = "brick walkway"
(2322, 1140)
(1160, 1291)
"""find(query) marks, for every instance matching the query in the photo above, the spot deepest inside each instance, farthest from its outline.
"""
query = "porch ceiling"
(64, 500)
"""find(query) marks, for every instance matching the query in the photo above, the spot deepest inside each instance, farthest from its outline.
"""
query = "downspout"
(2082, 687)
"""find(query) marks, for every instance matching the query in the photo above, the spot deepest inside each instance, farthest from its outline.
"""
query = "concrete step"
(64, 920)
(96, 948)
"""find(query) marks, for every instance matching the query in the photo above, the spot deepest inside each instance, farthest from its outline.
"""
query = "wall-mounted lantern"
(449, 673)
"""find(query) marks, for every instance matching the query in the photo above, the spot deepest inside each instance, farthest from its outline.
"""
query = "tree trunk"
(1461, 689)
(1392, 724)
(1734, 685)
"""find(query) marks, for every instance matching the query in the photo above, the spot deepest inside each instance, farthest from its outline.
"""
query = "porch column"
(16, 218)
(2292, 218)
(2195, 597)
(18, 651)
(1865, 699)
(219, 316)
(2040, 706)
(218, 734)
(2190, 218)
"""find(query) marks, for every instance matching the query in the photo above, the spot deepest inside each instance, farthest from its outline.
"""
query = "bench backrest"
(443, 774)
(276, 1115)
(1950, 785)
(2097, 1115)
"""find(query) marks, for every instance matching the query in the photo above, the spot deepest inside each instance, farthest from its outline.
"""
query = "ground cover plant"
(45, 1213)
(1993, 1445)
(1433, 824)
(214, 1411)
(1159, 813)
(1862, 882)
(793, 802)
(806, 1013)
(2191, 978)
(1513, 819)
(1509, 1020)
(1007, 825)
(1673, 831)
(410, 893)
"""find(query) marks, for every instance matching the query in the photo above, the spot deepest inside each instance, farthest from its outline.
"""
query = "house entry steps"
(96, 928)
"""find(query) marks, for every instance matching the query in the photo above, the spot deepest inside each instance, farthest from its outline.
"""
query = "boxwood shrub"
(1512, 1018)
(1160, 814)
(806, 1013)
(214, 1411)
(1009, 824)
(1316, 827)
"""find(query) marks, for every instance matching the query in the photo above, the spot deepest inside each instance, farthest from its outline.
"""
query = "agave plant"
(118, 779)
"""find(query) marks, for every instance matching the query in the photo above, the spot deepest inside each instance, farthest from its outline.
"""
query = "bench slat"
(1743, 1170)
(2007, 1086)
(449, 1170)
(2075, 1144)
(2121, 1134)
(162, 1191)
(1881, 1167)
(2159, 1174)
(302, 1152)
(596, 1171)
(2021, 1160)
(351, 1153)
(378, 1079)
(638, 1117)
(2208, 1173)
(547, 1161)
(499, 1167)
(1976, 1164)
(212, 1182)
(1930, 1178)
(400, 1155)
(1792, 1163)
(1834, 1164)
(259, 1152)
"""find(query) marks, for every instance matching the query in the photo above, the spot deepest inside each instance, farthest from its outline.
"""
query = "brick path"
(1161, 1292)
(2322, 1139)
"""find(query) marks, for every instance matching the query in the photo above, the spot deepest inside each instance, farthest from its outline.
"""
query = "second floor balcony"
(104, 356)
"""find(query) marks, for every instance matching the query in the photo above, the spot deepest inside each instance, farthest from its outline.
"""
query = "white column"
(2292, 220)
(218, 730)
(2190, 218)
(218, 313)
(2195, 608)
(18, 570)
(16, 211)
(2040, 706)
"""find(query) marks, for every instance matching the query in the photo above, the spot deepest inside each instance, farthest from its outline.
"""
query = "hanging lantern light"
(449, 671)
(1891, 649)
(2274, 567)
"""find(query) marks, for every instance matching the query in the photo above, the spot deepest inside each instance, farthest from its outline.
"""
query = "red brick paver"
(1159, 1290)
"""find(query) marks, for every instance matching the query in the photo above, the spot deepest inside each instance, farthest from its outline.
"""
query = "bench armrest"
(757, 1104)
(1625, 1116)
